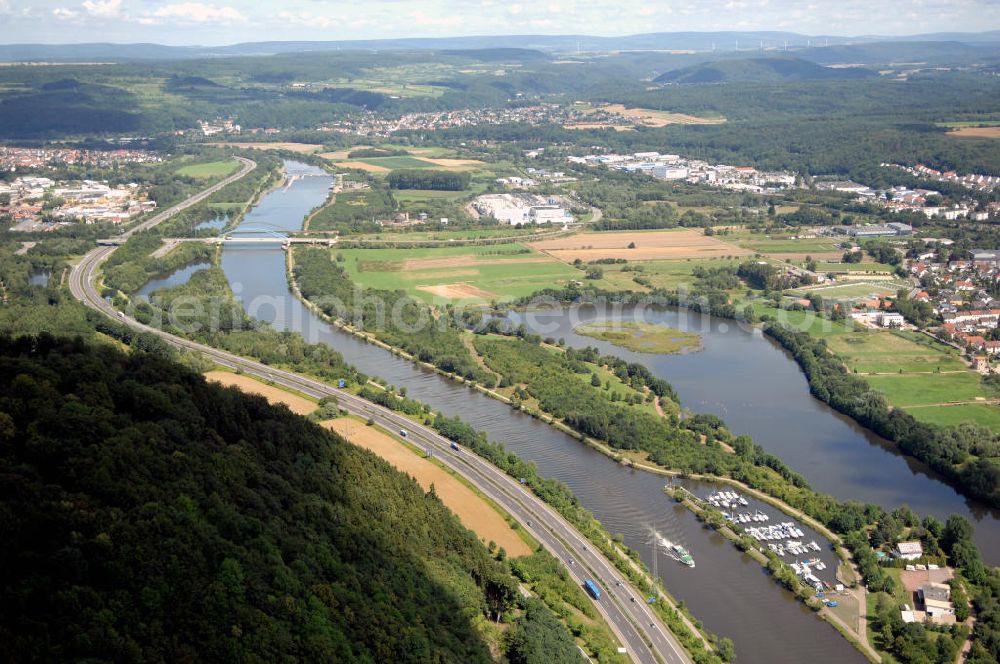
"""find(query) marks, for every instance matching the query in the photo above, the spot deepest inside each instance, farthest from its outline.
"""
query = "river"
(727, 590)
(740, 375)
(754, 385)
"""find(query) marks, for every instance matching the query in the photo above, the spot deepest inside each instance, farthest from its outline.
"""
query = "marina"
(783, 539)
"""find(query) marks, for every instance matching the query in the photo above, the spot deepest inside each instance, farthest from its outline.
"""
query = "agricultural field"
(644, 116)
(638, 246)
(212, 169)
(803, 321)
(888, 352)
(975, 132)
(925, 377)
(928, 389)
(960, 124)
(466, 275)
(666, 274)
(986, 415)
(420, 158)
(301, 148)
(393, 163)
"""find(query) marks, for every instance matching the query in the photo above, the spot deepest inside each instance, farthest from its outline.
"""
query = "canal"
(739, 375)
(727, 590)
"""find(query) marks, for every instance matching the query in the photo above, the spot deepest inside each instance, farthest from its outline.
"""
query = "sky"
(216, 22)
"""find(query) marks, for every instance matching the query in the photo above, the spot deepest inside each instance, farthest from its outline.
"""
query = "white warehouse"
(522, 209)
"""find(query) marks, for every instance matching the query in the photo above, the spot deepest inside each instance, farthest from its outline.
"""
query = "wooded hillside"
(149, 515)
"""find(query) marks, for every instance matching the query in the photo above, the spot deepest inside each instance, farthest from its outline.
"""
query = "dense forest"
(150, 515)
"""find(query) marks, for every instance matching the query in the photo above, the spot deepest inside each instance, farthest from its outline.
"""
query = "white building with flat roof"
(521, 209)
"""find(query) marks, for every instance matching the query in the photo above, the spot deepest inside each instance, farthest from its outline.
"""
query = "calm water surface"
(727, 590)
(757, 388)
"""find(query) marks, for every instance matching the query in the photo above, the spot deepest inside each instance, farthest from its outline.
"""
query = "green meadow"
(467, 275)
(211, 169)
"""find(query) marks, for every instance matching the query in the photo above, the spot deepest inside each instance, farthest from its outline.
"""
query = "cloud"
(62, 13)
(193, 12)
(308, 19)
(103, 7)
(423, 18)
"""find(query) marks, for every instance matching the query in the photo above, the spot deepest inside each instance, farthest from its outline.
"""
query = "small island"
(642, 337)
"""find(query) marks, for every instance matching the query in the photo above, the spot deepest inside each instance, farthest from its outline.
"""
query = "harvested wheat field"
(474, 512)
(649, 245)
(296, 404)
(301, 148)
(458, 292)
(343, 154)
(454, 164)
(362, 166)
(652, 118)
(598, 125)
(975, 132)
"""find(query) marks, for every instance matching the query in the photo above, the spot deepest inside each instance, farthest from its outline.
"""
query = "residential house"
(909, 550)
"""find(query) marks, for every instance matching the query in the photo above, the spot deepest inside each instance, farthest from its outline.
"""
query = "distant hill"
(722, 41)
(177, 83)
(888, 52)
(499, 54)
(148, 515)
(756, 70)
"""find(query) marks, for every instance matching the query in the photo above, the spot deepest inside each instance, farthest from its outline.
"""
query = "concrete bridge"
(172, 242)
(284, 241)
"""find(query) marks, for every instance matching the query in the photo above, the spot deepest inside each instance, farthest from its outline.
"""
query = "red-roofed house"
(976, 341)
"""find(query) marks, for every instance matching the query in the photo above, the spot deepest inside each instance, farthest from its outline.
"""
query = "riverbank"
(531, 407)
(625, 560)
(732, 599)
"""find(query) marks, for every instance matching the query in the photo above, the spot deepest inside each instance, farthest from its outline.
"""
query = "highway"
(643, 634)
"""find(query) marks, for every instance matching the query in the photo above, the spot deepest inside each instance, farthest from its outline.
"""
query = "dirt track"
(362, 166)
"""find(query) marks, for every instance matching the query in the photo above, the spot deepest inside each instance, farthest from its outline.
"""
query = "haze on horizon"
(217, 22)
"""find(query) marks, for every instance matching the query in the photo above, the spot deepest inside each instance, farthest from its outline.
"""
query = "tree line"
(428, 179)
(964, 454)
